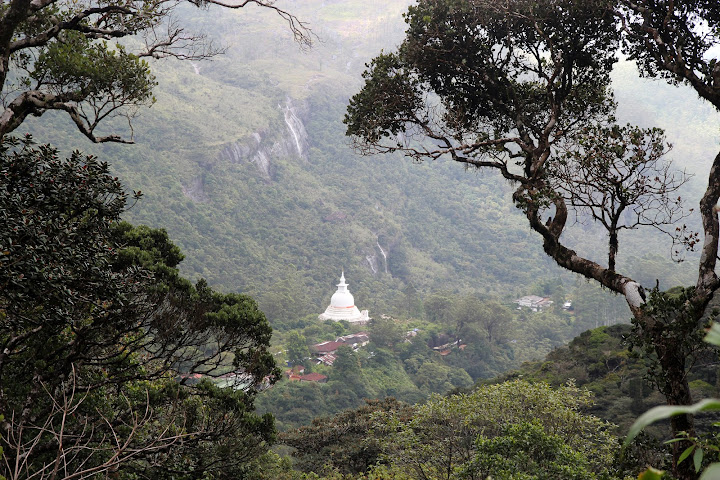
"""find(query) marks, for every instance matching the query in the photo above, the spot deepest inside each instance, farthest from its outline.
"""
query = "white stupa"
(342, 306)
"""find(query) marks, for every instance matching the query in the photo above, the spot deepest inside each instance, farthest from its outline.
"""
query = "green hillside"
(243, 160)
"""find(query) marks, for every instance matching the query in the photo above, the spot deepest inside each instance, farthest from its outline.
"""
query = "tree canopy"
(102, 342)
(502, 87)
(346, 441)
(523, 88)
(511, 430)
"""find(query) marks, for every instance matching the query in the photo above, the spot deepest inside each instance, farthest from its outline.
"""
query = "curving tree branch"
(53, 47)
(523, 88)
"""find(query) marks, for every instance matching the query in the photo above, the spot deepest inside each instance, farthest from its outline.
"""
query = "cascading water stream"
(377, 242)
(294, 124)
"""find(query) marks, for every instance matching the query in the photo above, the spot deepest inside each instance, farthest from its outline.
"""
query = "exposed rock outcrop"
(372, 263)
(195, 190)
(263, 148)
(377, 259)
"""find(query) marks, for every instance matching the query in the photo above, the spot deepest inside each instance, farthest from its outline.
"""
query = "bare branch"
(301, 31)
(81, 448)
(175, 42)
(28, 29)
(615, 176)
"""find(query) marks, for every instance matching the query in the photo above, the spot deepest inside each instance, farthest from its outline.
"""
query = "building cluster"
(533, 302)
(325, 351)
(445, 349)
(537, 304)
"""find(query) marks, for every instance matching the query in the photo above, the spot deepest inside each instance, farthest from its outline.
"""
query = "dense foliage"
(510, 430)
(282, 229)
(100, 336)
(459, 339)
(284, 237)
(523, 89)
(345, 442)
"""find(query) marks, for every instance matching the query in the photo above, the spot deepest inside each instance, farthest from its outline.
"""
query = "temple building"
(342, 306)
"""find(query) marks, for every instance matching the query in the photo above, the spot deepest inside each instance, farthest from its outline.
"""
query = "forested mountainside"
(245, 163)
(243, 160)
(615, 382)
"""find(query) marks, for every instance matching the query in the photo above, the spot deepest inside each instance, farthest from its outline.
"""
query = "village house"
(445, 349)
(325, 347)
(327, 359)
(295, 371)
(325, 351)
(533, 302)
(356, 340)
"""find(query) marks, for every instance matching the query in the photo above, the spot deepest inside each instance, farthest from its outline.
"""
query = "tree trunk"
(677, 392)
(612, 250)
(670, 346)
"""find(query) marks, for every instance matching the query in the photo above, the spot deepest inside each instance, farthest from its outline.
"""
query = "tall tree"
(346, 440)
(65, 56)
(488, 319)
(522, 87)
(675, 41)
(386, 332)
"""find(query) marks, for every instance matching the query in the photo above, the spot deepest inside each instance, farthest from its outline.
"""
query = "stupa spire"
(342, 279)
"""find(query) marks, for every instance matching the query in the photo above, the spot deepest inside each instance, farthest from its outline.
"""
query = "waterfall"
(295, 126)
(372, 262)
(377, 242)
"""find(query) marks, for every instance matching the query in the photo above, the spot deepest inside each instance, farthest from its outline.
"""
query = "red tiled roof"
(313, 377)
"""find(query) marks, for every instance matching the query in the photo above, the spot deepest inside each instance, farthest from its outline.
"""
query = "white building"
(342, 306)
(534, 302)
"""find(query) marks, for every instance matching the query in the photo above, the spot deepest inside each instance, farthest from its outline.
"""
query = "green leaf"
(697, 459)
(713, 335)
(711, 472)
(674, 440)
(667, 411)
(651, 474)
(686, 453)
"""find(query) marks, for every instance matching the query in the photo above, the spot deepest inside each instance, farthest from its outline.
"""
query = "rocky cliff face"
(255, 149)
(377, 258)
(195, 189)
(263, 148)
(289, 140)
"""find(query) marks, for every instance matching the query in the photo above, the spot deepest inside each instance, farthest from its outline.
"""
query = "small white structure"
(342, 306)
(533, 302)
